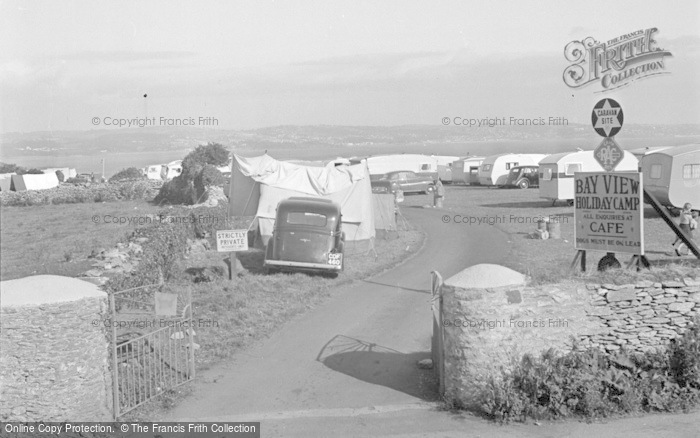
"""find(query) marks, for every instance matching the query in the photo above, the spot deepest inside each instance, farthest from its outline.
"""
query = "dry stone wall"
(53, 359)
(487, 329)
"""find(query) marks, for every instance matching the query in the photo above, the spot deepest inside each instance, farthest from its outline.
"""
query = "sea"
(92, 161)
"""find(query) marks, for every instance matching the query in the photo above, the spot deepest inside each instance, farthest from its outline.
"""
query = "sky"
(65, 64)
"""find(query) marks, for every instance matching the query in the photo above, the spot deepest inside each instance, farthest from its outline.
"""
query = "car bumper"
(303, 265)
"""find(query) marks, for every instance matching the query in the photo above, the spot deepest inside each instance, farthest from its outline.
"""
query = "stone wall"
(490, 328)
(53, 358)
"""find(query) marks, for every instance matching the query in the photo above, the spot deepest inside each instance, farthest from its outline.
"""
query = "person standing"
(686, 217)
(438, 194)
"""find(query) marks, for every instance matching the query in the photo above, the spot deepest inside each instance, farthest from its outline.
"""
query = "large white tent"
(258, 184)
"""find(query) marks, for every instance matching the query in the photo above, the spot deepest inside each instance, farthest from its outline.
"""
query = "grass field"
(56, 239)
(516, 211)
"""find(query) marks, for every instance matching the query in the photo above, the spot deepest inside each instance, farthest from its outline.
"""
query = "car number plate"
(335, 259)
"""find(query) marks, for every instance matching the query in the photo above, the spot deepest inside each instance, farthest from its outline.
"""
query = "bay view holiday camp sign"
(614, 63)
(608, 212)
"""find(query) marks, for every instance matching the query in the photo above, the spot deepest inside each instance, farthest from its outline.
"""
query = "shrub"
(213, 153)
(208, 176)
(684, 356)
(11, 168)
(593, 384)
(34, 172)
(130, 173)
(198, 171)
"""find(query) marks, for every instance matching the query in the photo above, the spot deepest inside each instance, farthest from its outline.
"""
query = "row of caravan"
(672, 174)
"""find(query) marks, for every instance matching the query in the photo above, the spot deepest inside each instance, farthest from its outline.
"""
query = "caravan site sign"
(609, 212)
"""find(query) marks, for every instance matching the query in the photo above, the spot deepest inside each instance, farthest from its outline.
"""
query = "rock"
(93, 273)
(668, 284)
(621, 295)
(644, 284)
(681, 307)
(425, 364)
(197, 246)
(691, 282)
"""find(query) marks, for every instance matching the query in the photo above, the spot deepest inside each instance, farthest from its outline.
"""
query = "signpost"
(232, 241)
(607, 118)
(609, 208)
(608, 154)
(608, 212)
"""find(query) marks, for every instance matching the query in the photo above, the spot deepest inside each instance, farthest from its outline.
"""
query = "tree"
(61, 177)
(198, 171)
(211, 153)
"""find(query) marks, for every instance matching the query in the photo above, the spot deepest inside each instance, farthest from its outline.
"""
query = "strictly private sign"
(609, 212)
(231, 240)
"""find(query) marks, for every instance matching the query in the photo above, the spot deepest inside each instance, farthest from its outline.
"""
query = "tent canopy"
(258, 184)
(42, 181)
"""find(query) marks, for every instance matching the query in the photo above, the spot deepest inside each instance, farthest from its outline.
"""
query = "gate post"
(438, 339)
(115, 373)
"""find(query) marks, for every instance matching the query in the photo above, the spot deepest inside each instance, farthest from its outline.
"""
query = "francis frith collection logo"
(615, 63)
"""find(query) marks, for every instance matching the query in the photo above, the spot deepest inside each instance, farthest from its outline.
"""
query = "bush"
(593, 384)
(11, 168)
(177, 191)
(212, 153)
(131, 173)
(34, 172)
(208, 176)
(198, 171)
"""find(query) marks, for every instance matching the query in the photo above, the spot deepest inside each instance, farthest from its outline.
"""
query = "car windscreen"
(306, 218)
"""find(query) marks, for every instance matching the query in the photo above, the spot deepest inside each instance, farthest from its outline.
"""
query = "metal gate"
(438, 339)
(151, 353)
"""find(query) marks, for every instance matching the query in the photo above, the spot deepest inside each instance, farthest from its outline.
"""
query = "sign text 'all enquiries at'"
(609, 212)
(231, 240)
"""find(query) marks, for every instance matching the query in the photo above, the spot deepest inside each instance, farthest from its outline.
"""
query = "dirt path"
(348, 367)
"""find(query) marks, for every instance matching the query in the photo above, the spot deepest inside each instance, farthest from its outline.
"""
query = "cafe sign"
(609, 212)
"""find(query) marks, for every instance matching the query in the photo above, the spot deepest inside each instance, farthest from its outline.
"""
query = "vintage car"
(307, 237)
(523, 177)
(408, 182)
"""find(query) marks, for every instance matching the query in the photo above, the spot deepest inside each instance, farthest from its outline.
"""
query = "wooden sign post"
(231, 241)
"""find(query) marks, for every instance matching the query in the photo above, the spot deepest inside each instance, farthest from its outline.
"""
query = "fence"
(152, 347)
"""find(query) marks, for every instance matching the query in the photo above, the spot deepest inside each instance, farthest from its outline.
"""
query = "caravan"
(466, 170)
(154, 171)
(172, 169)
(557, 172)
(444, 167)
(672, 175)
(383, 164)
(494, 169)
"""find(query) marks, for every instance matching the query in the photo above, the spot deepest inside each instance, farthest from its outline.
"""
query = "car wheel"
(524, 184)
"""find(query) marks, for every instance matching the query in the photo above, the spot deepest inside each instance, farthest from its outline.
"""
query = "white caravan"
(494, 169)
(381, 164)
(557, 172)
(466, 170)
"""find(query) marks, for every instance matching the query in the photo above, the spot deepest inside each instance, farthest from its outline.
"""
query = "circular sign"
(607, 118)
